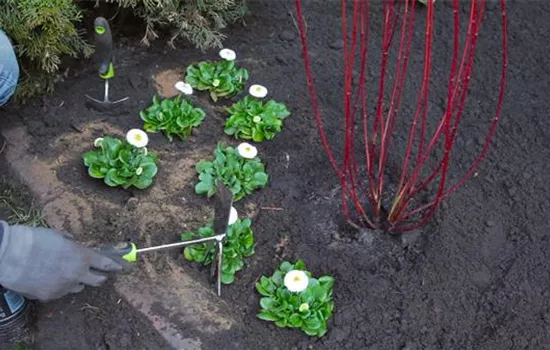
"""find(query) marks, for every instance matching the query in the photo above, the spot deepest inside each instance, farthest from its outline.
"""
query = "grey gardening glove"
(42, 264)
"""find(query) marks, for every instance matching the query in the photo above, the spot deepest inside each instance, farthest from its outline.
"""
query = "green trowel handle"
(104, 47)
(125, 250)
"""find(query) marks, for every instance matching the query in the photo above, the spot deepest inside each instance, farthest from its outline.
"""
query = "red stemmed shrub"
(368, 136)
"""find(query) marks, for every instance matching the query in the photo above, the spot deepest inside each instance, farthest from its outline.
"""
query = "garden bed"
(476, 277)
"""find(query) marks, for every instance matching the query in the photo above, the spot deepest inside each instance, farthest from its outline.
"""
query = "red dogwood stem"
(377, 132)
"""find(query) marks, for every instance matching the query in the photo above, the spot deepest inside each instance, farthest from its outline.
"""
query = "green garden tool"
(224, 200)
(104, 53)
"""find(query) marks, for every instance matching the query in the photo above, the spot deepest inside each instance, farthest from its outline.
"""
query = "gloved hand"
(42, 264)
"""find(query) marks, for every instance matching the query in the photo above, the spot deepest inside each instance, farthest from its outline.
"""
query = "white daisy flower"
(258, 91)
(139, 171)
(137, 138)
(257, 119)
(247, 151)
(233, 216)
(185, 88)
(97, 142)
(296, 281)
(228, 54)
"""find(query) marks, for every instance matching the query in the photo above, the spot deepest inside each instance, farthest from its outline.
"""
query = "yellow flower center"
(297, 279)
(137, 137)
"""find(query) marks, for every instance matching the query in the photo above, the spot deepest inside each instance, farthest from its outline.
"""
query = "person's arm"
(39, 263)
(9, 69)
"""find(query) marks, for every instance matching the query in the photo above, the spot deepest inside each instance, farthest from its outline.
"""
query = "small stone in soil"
(340, 334)
(490, 223)
(337, 44)
(132, 204)
(135, 81)
(410, 346)
(287, 35)
(408, 239)
(281, 60)
(366, 236)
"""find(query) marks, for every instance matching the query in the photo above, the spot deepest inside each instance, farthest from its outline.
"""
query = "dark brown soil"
(97, 318)
(475, 278)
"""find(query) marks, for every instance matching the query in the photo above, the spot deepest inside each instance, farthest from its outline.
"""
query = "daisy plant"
(220, 78)
(253, 119)
(238, 168)
(292, 298)
(239, 244)
(175, 116)
(123, 163)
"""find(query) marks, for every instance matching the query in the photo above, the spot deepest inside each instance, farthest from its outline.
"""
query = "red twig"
(377, 132)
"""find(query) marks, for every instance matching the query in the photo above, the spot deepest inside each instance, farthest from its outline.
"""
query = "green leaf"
(257, 135)
(202, 188)
(262, 290)
(113, 179)
(207, 178)
(204, 166)
(228, 278)
(261, 178)
(277, 278)
(267, 316)
(267, 303)
(310, 332)
(143, 182)
(214, 96)
(90, 158)
(268, 285)
(313, 323)
(286, 266)
(95, 173)
(295, 320)
(149, 169)
(188, 254)
(300, 265)
(327, 282)
(111, 146)
(319, 293)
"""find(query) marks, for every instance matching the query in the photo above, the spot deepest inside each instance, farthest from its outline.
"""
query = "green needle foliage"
(199, 21)
(242, 176)
(43, 31)
(239, 245)
(221, 78)
(252, 119)
(308, 310)
(120, 164)
(174, 116)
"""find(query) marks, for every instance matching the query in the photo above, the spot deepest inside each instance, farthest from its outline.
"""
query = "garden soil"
(476, 277)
